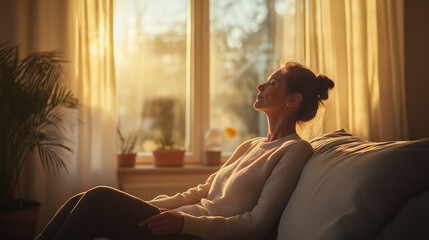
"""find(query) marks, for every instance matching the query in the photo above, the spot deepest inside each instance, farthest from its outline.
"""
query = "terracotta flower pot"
(126, 160)
(169, 158)
(19, 222)
(212, 158)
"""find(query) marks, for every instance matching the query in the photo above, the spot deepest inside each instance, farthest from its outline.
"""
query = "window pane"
(150, 58)
(246, 45)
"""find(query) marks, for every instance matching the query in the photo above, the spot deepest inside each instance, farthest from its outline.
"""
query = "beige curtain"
(95, 87)
(83, 31)
(360, 45)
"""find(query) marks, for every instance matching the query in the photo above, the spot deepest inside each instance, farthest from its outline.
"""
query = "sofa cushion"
(411, 221)
(351, 188)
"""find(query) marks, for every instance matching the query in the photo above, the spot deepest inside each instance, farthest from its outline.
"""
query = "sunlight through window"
(150, 58)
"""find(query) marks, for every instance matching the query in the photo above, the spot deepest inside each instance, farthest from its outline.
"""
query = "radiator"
(148, 191)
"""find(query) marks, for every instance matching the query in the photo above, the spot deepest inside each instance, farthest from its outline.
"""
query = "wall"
(416, 31)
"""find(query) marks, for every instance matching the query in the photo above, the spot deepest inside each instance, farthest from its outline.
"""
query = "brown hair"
(314, 89)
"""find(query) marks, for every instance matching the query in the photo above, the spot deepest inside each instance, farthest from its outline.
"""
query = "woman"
(243, 200)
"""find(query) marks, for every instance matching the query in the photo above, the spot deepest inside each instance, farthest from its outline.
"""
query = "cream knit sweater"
(246, 197)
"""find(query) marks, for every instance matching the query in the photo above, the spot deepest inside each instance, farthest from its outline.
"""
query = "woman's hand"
(167, 222)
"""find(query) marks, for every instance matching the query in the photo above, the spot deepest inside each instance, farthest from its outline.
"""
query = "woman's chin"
(257, 106)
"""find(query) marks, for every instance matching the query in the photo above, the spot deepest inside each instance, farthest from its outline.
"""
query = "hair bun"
(323, 85)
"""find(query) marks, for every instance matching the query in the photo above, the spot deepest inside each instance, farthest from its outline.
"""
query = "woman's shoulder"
(298, 144)
(246, 145)
(252, 141)
(243, 148)
(249, 143)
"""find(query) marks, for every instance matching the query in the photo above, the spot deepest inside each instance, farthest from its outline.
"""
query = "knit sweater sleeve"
(258, 222)
(194, 195)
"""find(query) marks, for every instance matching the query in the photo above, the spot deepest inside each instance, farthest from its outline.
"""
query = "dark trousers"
(104, 212)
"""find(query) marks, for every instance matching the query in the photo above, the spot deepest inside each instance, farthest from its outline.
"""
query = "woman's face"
(272, 94)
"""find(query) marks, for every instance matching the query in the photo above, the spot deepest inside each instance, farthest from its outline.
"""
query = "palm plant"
(31, 98)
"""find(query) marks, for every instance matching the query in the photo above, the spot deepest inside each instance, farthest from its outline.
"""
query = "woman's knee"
(76, 198)
(73, 201)
(101, 192)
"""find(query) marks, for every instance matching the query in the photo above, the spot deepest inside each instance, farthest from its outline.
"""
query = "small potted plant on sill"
(127, 157)
(166, 155)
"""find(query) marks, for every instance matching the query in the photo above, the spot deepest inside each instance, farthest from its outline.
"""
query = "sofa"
(356, 189)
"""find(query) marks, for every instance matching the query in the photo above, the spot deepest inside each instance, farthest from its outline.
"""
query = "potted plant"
(166, 155)
(127, 157)
(31, 122)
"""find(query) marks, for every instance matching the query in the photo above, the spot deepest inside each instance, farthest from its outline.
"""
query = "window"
(185, 66)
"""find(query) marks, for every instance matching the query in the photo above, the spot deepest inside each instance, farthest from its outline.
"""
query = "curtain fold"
(359, 44)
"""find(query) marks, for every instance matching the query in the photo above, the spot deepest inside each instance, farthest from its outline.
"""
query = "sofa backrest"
(351, 188)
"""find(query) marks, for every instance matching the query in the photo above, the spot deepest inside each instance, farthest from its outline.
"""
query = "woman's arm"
(193, 195)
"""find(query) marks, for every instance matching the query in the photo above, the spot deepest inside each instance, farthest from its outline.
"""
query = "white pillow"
(350, 188)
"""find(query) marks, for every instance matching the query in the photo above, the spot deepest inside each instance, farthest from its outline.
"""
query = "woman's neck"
(280, 127)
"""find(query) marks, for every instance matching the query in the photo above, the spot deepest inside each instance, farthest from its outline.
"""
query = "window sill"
(152, 169)
(145, 158)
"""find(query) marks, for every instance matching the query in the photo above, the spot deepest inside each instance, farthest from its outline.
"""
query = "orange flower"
(230, 132)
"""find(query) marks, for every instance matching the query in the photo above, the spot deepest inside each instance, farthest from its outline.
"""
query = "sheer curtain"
(359, 44)
(83, 32)
(95, 88)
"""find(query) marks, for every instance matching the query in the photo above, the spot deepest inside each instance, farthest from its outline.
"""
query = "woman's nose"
(260, 87)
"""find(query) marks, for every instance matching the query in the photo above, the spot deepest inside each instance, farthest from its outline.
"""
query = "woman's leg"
(113, 214)
(107, 212)
(62, 213)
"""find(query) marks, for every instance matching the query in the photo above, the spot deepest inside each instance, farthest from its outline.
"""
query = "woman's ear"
(294, 100)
